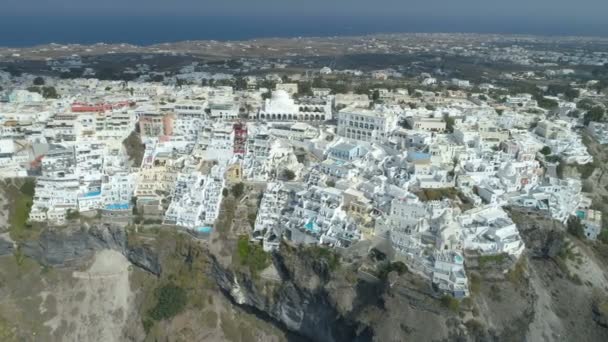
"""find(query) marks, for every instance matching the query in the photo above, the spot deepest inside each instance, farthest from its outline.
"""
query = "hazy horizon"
(29, 30)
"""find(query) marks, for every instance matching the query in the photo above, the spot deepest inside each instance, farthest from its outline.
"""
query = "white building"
(366, 124)
(280, 107)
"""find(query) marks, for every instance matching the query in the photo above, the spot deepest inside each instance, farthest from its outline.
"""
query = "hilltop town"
(431, 156)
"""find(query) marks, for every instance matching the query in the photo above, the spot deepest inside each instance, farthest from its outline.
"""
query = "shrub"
(474, 326)
(575, 227)
(517, 274)
(483, 260)
(603, 237)
(38, 81)
(20, 201)
(251, 255)
(251, 218)
(594, 114)
(321, 253)
(546, 150)
(238, 189)
(288, 175)
(72, 214)
(387, 268)
(28, 188)
(586, 170)
(450, 303)
(546, 103)
(171, 300)
(475, 283)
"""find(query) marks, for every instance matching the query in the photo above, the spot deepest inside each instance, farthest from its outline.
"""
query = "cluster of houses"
(431, 173)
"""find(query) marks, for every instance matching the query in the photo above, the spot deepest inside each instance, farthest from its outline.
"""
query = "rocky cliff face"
(303, 301)
(541, 298)
(325, 303)
(72, 248)
(6, 247)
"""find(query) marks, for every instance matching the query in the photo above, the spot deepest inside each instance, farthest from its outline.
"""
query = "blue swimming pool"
(580, 214)
(204, 230)
(117, 206)
(92, 194)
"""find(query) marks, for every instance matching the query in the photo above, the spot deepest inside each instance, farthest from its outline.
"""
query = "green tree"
(449, 123)
(546, 150)
(251, 255)
(450, 303)
(571, 93)
(240, 83)
(72, 215)
(594, 114)
(575, 227)
(585, 104)
(38, 81)
(49, 93)
(171, 300)
(158, 78)
(546, 103)
(238, 189)
(287, 175)
(375, 95)
(304, 89)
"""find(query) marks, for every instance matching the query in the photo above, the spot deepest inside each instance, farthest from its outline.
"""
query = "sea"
(26, 30)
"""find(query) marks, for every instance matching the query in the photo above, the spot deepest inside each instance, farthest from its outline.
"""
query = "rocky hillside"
(556, 291)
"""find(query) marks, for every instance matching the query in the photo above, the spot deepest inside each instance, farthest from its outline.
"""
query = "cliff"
(74, 247)
(323, 296)
(303, 300)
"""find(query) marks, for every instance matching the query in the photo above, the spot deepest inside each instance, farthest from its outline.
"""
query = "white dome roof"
(280, 96)
(280, 102)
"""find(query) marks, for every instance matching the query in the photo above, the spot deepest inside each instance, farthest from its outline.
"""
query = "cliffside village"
(431, 172)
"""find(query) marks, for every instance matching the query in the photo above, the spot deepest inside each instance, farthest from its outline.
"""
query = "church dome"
(281, 102)
(280, 96)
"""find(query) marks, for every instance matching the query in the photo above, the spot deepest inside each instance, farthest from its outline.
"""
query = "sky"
(540, 9)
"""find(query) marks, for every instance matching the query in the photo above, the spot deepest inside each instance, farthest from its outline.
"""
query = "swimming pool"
(117, 206)
(204, 230)
(580, 214)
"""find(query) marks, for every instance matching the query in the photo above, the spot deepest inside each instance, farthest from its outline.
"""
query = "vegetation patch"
(251, 255)
(450, 303)
(238, 189)
(135, 148)
(475, 283)
(518, 273)
(7, 333)
(386, 268)
(287, 175)
(484, 260)
(575, 227)
(586, 170)
(325, 254)
(20, 200)
(437, 194)
(171, 300)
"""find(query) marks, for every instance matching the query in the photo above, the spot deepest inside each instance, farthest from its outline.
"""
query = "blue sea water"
(18, 31)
